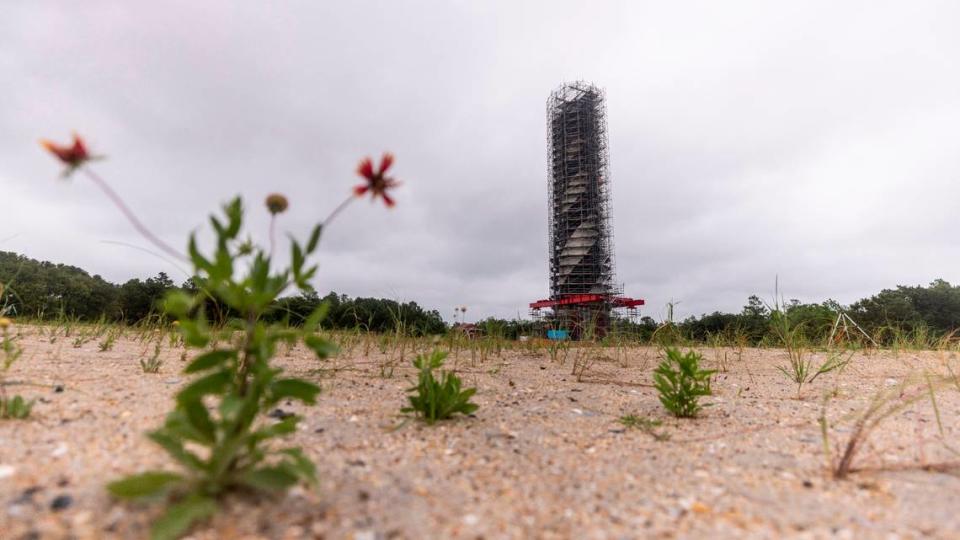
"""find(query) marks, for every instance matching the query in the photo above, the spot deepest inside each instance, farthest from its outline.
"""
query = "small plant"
(15, 407)
(800, 368)
(803, 371)
(152, 364)
(237, 379)
(11, 351)
(434, 399)
(667, 334)
(584, 357)
(218, 430)
(558, 350)
(647, 425)
(887, 402)
(681, 383)
(108, 341)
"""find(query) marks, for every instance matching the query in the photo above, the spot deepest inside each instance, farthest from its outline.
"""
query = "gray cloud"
(815, 142)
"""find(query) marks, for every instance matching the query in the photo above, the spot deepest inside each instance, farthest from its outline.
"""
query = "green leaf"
(320, 346)
(209, 360)
(194, 332)
(304, 277)
(200, 420)
(301, 464)
(141, 485)
(296, 257)
(222, 268)
(234, 212)
(217, 225)
(314, 238)
(259, 273)
(180, 517)
(176, 450)
(177, 303)
(295, 388)
(230, 407)
(211, 384)
(284, 427)
(196, 257)
(270, 478)
(179, 426)
(318, 315)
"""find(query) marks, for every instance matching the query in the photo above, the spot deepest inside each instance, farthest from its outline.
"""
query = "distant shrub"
(681, 383)
(434, 399)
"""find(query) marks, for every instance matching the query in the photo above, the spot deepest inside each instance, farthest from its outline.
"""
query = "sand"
(544, 457)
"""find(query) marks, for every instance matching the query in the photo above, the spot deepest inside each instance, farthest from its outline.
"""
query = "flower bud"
(276, 203)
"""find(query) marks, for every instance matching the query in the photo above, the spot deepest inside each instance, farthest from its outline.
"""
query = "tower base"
(582, 316)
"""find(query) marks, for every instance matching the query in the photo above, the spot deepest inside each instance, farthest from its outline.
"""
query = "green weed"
(15, 407)
(154, 362)
(236, 378)
(433, 399)
(650, 426)
(681, 383)
(800, 368)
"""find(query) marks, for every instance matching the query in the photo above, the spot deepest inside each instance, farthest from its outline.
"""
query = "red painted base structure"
(586, 299)
(584, 314)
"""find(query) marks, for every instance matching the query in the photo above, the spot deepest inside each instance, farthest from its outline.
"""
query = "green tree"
(140, 299)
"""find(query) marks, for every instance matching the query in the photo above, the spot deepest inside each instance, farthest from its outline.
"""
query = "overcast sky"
(814, 141)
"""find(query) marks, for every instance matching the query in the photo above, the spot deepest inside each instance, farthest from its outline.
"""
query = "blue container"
(558, 335)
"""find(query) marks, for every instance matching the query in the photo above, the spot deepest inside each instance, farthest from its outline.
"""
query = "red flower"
(72, 156)
(377, 184)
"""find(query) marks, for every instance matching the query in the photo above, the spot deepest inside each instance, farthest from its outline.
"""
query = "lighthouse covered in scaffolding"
(583, 291)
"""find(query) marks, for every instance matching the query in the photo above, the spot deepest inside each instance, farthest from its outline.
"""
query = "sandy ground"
(544, 457)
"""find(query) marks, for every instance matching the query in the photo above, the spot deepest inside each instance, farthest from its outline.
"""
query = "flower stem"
(273, 221)
(131, 217)
(346, 202)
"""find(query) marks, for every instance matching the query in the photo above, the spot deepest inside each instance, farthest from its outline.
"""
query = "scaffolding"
(581, 261)
(582, 285)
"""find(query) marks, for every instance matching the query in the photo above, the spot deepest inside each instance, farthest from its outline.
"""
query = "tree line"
(905, 312)
(44, 290)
